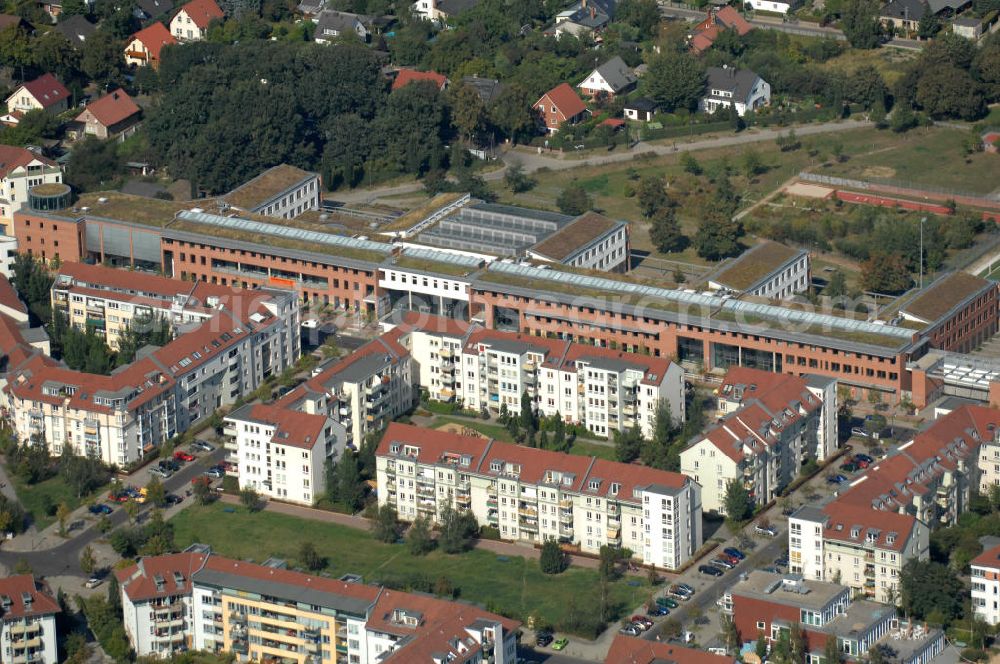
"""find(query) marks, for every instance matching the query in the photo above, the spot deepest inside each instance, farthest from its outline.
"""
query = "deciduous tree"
(675, 80)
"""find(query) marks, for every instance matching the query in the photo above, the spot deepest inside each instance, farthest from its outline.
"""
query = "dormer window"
(394, 448)
(615, 488)
(594, 485)
(496, 466)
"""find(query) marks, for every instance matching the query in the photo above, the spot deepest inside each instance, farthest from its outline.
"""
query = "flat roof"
(754, 265)
(576, 236)
(413, 217)
(265, 187)
(788, 589)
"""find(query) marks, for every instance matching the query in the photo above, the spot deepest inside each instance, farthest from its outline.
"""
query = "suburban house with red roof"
(114, 115)
(985, 571)
(28, 621)
(145, 47)
(176, 602)
(458, 361)
(560, 105)
(769, 425)
(45, 93)
(531, 495)
(406, 76)
(21, 169)
(192, 21)
(718, 19)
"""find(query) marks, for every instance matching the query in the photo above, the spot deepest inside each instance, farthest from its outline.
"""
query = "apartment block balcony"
(566, 503)
(566, 531)
(445, 353)
(463, 499)
(24, 629)
(530, 525)
(491, 516)
(36, 414)
(565, 517)
(869, 571)
(614, 536)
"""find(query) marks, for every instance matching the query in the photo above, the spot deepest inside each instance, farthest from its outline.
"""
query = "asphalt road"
(63, 560)
(709, 589)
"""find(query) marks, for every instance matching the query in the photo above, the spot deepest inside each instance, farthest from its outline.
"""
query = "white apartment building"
(108, 299)
(8, 252)
(855, 546)
(282, 191)
(770, 425)
(604, 389)
(20, 170)
(768, 269)
(118, 417)
(263, 612)
(533, 495)
(27, 622)
(591, 242)
(281, 452)
(986, 585)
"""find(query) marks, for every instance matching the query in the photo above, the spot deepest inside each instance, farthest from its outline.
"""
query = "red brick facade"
(48, 237)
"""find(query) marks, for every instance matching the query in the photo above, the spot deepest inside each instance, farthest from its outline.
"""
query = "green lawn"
(584, 448)
(514, 587)
(38, 498)
(494, 431)
(928, 156)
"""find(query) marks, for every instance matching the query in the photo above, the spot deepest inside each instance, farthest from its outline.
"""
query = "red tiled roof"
(14, 587)
(434, 446)
(407, 76)
(12, 157)
(776, 391)
(288, 577)
(564, 97)
(9, 298)
(47, 90)
(731, 18)
(291, 427)
(154, 37)
(442, 629)
(124, 281)
(111, 109)
(202, 12)
(989, 558)
(451, 327)
(843, 518)
(632, 650)
(139, 580)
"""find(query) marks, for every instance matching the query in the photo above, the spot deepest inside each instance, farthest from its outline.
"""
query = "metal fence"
(901, 187)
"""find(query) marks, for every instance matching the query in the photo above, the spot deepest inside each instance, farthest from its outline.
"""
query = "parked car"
(735, 553)
(543, 639)
(181, 455)
(836, 479)
(92, 582)
(733, 559)
(667, 602)
(100, 509)
(781, 561)
(659, 610)
(721, 562)
(675, 594)
(772, 569)
(684, 586)
(560, 644)
(857, 431)
(861, 463)
(850, 467)
(173, 499)
(118, 497)
(710, 570)
(161, 472)
(203, 446)
(769, 531)
(863, 457)
(215, 473)
(642, 620)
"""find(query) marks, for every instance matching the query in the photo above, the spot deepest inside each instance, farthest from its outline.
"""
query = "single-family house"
(903, 14)
(146, 45)
(560, 105)
(584, 17)
(441, 10)
(191, 22)
(406, 76)
(44, 93)
(76, 29)
(718, 19)
(114, 115)
(332, 24)
(739, 88)
(641, 109)
(146, 10)
(612, 78)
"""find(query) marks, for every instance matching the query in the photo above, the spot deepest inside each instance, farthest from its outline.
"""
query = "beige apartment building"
(534, 495)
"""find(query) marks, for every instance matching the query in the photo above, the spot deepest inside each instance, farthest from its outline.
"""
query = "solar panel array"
(288, 232)
(773, 313)
(442, 257)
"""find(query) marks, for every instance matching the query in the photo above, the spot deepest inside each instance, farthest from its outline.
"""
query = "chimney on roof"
(593, 12)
